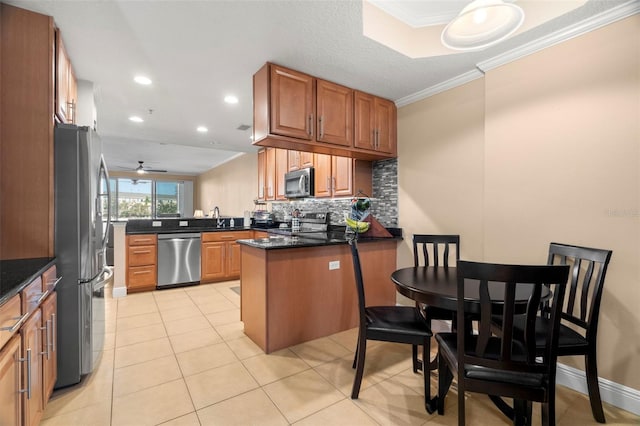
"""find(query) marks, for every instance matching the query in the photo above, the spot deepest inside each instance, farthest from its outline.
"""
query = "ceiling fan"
(142, 170)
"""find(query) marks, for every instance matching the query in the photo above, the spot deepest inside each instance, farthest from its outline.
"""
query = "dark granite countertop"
(15, 274)
(172, 226)
(276, 241)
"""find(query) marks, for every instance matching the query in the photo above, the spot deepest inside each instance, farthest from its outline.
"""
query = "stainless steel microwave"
(299, 183)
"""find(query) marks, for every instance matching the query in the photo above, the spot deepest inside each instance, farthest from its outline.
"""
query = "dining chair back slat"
(429, 245)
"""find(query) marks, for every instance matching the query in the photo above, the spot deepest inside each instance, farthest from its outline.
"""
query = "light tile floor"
(180, 357)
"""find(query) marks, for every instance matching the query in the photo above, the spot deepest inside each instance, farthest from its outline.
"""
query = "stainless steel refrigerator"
(81, 196)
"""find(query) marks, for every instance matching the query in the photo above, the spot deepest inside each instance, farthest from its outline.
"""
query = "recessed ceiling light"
(202, 129)
(136, 119)
(141, 79)
(230, 99)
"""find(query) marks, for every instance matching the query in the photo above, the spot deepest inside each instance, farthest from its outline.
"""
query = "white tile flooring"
(180, 357)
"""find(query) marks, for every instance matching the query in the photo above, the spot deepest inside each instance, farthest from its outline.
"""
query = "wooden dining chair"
(504, 365)
(435, 250)
(399, 324)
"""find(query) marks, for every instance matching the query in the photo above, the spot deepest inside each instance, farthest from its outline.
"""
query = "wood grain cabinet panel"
(221, 255)
(375, 123)
(26, 152)
(291, 104)
(142, 262)
(10, 314)
(335, 113)
(299, 160)
(32, 377)
(50, 349)
(10, 383)
(341, 176)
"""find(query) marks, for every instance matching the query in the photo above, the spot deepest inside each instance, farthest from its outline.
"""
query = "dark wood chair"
(504, 365)
(399, 324)
(581, 310)
(435, 250)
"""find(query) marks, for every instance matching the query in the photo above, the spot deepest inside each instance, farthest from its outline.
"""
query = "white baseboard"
(119, 291)
(613, 393)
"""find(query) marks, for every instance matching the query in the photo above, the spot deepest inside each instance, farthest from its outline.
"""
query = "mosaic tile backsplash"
(384, 200)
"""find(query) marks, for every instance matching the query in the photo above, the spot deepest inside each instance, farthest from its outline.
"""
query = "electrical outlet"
(184, 223)
(156, 223)
(334, 265)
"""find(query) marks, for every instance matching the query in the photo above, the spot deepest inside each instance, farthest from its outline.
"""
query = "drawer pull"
(28, 361)
(53, 331)
(14, 327)
(141, 272)
(54, 282)
(42, 297)
(141, 251)
(46, 331)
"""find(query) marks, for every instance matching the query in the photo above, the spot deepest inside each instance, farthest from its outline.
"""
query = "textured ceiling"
(196, 52)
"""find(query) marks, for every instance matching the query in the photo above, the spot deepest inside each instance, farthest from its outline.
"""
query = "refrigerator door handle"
(105, 173)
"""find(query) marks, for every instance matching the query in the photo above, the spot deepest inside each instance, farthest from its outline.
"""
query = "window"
(149, 198)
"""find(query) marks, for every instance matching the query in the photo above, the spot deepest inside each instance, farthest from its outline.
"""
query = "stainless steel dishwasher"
(178, 259)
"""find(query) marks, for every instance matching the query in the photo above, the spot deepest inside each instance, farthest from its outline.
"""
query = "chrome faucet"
(219, 223)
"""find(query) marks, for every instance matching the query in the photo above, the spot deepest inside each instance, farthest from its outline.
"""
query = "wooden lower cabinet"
(10, 373)
(142, 261)
(32, 378)
(49, 350)
(221, 255)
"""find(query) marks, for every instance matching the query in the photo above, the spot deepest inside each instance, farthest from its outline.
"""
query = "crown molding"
(440, 87)
(597, 21)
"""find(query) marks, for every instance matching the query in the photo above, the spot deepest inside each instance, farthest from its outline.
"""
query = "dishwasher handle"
(180, 236)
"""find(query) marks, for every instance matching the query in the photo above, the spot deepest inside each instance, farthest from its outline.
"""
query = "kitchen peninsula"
(296, 289)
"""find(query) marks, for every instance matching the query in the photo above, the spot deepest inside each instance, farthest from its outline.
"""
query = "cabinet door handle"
(46, 332)
(328, 184)
(51, 284)
(333, 184)
(16, 326)
(53, 332)
(310, 124)
(321, 126)
(28, 361)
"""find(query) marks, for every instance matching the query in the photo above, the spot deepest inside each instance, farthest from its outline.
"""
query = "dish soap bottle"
(231, 223)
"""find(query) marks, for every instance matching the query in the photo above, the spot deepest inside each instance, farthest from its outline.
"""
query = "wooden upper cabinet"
(375, 123)
(66, 92)
(341, 176)
(270, 174)
(322, 165)
(299, 160)
(262, 162)
(281, 167)
(292, 100)
(335, 113)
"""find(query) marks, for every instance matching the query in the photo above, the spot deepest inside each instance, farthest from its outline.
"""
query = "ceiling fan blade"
(155, 171)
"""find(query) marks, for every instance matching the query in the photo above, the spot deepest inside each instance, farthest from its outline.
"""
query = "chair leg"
(360, 354)
(414, 355)
(445, 377)
(550, 407)
(355, 354)
(521, 412)
(461, 410)
(591, 367)
(426, 375)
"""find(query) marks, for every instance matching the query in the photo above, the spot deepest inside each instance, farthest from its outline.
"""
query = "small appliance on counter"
(263, 219)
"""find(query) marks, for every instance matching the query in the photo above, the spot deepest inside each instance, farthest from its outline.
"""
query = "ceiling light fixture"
(141, 79)
(481, 24)
(136, 119)
(230, 99)
(202, 129)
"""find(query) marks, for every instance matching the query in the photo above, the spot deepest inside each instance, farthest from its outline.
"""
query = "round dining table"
(438, 286)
